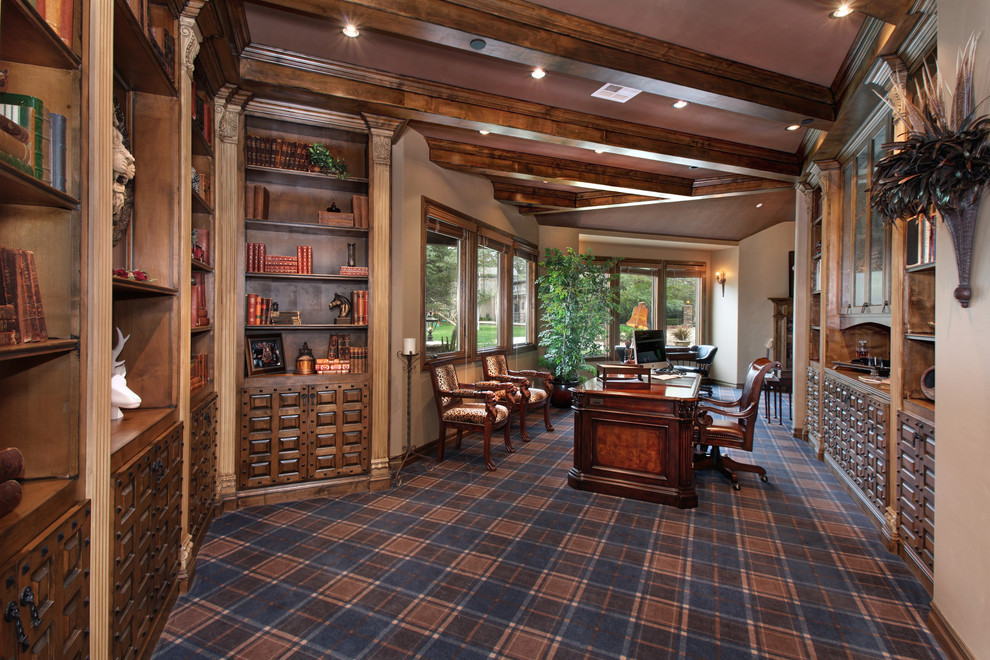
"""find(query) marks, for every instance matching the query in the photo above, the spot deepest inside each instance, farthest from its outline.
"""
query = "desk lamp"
(639, 320)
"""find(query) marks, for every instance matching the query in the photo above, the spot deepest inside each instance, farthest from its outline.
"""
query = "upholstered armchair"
(496, 368)
(735, 428)
(480, 407)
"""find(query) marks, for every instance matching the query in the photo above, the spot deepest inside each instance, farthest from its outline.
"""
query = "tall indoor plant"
(943, 165)
(576, 303)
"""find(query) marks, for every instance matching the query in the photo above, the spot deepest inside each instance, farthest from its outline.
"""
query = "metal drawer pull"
(12, 613)
(28, 601)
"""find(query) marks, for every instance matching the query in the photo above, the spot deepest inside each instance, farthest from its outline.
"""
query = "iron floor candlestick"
(407, 449)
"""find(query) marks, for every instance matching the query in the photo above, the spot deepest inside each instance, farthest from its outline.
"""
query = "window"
(675, 288)
(866, 239)
(444, 331)
(479, 287)
(523, 298)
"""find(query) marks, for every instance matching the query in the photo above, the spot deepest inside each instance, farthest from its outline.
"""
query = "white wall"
(415, 177)
(762, 275)
(962, 487)
(725, 316)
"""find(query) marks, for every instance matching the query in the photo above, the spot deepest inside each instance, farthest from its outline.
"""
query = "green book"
(29, 112)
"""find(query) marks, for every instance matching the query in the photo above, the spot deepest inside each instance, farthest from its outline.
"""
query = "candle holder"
(408, 358)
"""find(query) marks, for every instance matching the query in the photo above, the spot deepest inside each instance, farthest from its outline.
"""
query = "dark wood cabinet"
(202, 467)
(916, 494)
(45, 590)
(303, 431)
(812, 415)
(147, 529)
(854, 438)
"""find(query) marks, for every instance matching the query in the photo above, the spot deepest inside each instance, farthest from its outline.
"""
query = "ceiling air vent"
(617, 93)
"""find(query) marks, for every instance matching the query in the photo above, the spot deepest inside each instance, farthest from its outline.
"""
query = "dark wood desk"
(636, 441)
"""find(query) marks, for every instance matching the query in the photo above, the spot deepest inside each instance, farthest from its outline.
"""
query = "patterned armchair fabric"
(496, 368)
(483, 406)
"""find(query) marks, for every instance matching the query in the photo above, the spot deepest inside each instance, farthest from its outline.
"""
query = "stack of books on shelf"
(332, 366)
(304, 257)
(198, 372)
(920, 241)
(275, 152)
(290, 317)
(338, 358)
(256, 201)
(354, 271)
(336, 219)
(280, 264)
(32, 139)
(202, 115)
(359, 311)
(258, 310)
(359, 359)
(201, 245)
(22, 316)
(254, 257)
(59, 14)
(199, 314)
(359, 203)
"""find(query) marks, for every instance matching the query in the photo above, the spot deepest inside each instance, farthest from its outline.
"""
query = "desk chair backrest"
(706, 355)
(750, 396)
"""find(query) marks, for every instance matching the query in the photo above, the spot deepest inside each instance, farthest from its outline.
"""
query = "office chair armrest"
(464, 393)
(493, 386)
(522, 381)
(545, 376)
(703, 417)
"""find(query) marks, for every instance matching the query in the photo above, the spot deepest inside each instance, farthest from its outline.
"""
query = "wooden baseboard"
(946, 636)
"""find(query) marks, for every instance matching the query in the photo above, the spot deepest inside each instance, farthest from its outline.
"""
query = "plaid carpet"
(460, 563)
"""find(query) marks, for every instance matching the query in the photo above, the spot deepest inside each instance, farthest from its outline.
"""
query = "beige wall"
(725, 328)
(415, 177)
(962, 490)
(762, 275)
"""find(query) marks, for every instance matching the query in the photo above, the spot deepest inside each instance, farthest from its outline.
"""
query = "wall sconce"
(720, 278)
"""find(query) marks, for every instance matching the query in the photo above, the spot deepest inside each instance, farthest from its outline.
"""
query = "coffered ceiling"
(723, 167)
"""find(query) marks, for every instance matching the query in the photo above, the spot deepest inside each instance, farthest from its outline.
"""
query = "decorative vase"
(961, 222)
(560, 397)
(928, 383)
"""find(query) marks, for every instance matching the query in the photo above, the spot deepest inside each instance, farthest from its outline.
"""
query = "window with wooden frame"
(479, 287)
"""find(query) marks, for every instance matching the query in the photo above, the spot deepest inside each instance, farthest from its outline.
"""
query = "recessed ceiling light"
(484, 131)
(793, 127)
(351, 30)
(478, 44)
(760, 205)
(599, 151)
(680, 104)
(546, 182)
(538, 73)
(841, 10)
(693, 167)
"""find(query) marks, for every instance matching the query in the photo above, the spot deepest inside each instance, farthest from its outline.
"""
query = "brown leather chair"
(496, 368)
(736, 430)
(480, 407)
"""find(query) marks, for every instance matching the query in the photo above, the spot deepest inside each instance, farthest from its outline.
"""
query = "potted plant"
(576, 303)
(681, 335)
(943, 164)
(326, 162)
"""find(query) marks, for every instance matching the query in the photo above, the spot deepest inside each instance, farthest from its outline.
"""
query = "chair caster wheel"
(764, 478)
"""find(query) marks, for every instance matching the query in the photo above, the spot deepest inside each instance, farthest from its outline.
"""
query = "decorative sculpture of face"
(123, 170)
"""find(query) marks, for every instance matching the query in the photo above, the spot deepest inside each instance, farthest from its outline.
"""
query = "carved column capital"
(190, 38)
(229, 105)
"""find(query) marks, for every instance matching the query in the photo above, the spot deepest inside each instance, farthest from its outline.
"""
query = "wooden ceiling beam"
(534, 199)
(275, 72)
(531, 34)
(513, 164)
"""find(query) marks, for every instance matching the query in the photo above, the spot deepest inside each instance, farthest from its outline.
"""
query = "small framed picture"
(265, 354)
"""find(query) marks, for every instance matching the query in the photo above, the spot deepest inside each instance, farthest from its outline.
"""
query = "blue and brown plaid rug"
(462, 563)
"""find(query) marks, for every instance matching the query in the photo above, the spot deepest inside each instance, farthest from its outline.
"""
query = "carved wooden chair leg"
(546, 413)
(508, 441)
(487, 448)
(522, 420)
(460, 434)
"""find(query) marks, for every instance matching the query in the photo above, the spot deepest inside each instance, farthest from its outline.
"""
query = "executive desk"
(636, 440)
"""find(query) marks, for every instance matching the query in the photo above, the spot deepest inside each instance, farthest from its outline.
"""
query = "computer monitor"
(651, 348)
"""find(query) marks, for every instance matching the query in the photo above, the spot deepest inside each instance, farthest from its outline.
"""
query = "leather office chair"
(702, 365)
(480, 407)
(736, 431)
(496, 368)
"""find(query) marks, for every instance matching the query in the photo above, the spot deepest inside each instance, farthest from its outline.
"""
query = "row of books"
(256, 201)
(60, 16)
(359, 307)
(920, 235)
(259, 310)
(32, 139)
(202, 185)
(354, 271)
(202, 115)
(201, 245)
(355, 362)
(22, 315)
(200, 314)
(276, 152)
(257, 260)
